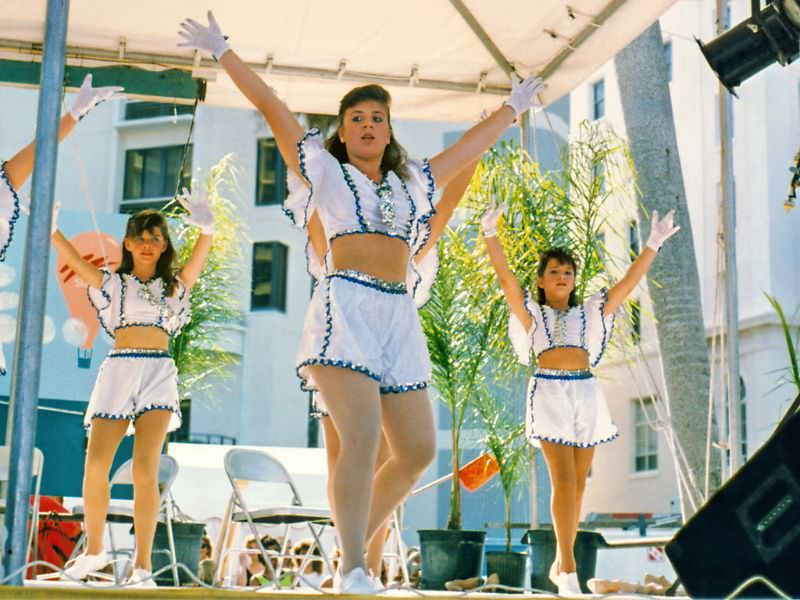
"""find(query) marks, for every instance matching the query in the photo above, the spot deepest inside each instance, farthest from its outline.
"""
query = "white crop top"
(124, 300)
(349, 203)
(9, 211)
(582, 326)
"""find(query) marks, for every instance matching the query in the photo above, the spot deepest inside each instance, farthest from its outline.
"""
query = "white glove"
(88, 97)
(524, 92)
(490, 218)
(205, 38)
(25, 207)
(198, 212)
(661, 230)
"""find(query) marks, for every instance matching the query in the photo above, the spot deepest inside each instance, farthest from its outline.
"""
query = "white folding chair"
(243, 465)
(123, 513)
(36, 474)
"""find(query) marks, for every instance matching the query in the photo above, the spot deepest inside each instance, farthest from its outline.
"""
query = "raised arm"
(197, 213)
(452, 195)
(83, 268)
(514, 294)
(285, 127)
(660, 232)
(19, 167)
(448, 163)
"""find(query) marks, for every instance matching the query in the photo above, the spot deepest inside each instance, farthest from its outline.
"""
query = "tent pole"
(21, 432)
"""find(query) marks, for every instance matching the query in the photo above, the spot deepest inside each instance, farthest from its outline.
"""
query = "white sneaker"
(355, 582)
(141, 578)
(553, 574)
(84, 564)
(568, 584)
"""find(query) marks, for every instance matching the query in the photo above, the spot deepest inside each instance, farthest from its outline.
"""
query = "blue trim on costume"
(564, 442)
(142, 324)
(102, 289)
(331, 362)
(583, 326)
(399, 389)
(347, 232)
(580, 374)
(301, 160)
(326, 340)
(174, 410)
(362, 222)
(423, 221)
(562, 346)
(606, 334)
(531, 394)
(14, 214)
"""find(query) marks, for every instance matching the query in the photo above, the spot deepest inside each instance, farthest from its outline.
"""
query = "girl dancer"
(567, 414)
(141, 305)
(368, 356)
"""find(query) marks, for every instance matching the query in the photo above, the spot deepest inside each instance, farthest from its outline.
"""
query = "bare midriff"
(145, 336)
(378, 255)
(572, 359)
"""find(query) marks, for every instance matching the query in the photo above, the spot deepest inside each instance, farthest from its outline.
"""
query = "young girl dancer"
(141, 305)
(566, 412)
(369, 359)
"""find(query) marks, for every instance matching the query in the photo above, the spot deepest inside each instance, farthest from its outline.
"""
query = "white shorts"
(567, 407)
(356, 321)
(130, 383)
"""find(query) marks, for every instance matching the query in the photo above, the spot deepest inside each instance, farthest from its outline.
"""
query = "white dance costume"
(133, 381)
(565, 406)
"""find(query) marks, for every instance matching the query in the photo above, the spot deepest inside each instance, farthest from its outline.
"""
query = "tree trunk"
(647, 108)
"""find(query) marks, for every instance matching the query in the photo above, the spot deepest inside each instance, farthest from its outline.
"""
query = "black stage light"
(769, 35)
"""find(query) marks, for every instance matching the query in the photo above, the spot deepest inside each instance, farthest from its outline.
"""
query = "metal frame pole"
(21, 432)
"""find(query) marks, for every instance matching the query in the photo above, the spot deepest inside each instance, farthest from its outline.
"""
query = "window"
(271, 174)
(152, 175)
(182, 433)
(633, 240)
(598, 99)
(646, 442)
(149, 110)
(636, 321)
(269, 276)
(668, 59)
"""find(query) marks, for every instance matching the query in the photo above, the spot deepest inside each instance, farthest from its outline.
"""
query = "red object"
(56, 538)
(477, 472)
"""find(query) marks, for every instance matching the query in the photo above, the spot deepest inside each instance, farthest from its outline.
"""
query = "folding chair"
(259, 466)
(123, 513)
(36, 474)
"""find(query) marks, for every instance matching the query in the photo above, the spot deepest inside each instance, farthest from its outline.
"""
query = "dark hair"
(302, 548)
(394, 155)
(563, 257)
(205, 542)
(150, 221)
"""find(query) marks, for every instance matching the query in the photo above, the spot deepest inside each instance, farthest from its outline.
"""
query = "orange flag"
(477, 472)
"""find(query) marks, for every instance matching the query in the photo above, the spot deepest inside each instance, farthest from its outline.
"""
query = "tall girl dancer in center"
(370, 361)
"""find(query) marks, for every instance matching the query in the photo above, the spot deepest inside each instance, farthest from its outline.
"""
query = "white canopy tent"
(441, 59)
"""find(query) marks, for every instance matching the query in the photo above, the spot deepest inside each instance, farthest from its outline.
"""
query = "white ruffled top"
(124, 300)
(348, 203)
(584, 326)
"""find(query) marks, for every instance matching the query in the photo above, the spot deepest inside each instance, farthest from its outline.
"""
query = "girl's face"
(558, 281)
(365, 130)
(147, 247)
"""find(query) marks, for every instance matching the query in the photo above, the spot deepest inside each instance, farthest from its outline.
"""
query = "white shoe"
(355, 582)
(553, 574)
(568, 584)
(84, 564)
(141, 578)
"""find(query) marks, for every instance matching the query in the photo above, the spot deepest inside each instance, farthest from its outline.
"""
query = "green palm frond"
(791, 344)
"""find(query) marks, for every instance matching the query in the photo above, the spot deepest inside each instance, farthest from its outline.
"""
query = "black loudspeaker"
(750, 527)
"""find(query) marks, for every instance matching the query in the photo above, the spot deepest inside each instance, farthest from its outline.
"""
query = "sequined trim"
(15, 213)
(328, 319)
(606, 333)
(365, 279)
(554, 347)
(423, 230)
(132, 416)
(107, 275)
(301, 160)
(368, 230)
(399, 389)
(138, 353)
(330, 362)
(565, 442)
(563, 374)
(362, 222)
(149, 407)
(531, 395)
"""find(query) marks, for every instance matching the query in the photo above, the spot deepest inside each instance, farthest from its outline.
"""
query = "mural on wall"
(80, 329)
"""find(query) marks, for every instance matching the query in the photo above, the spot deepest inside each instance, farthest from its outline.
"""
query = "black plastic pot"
(187, 538)
(509, 566)
(449, 554)
(542, 552)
